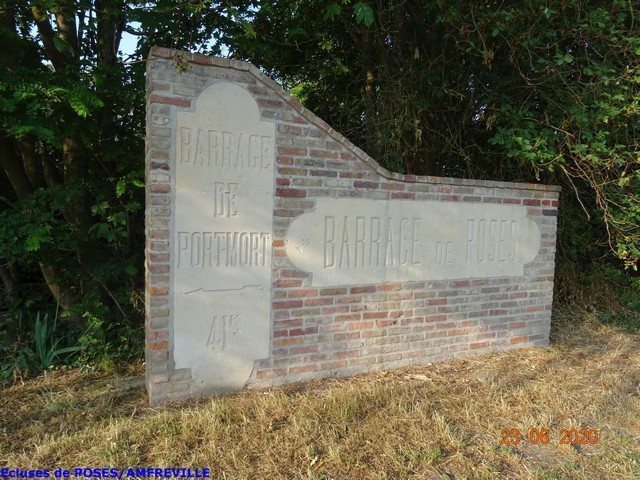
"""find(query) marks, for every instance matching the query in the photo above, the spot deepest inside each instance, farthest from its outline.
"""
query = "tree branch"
(12, 165)
(47, 35)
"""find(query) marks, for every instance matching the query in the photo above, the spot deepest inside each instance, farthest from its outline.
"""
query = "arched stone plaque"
(222, 244)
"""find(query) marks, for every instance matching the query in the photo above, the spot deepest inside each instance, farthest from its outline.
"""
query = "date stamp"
(567, 436)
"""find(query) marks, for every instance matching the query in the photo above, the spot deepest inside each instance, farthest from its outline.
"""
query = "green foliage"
(364, 13)
(46, 344)
(626, 321)
(518, 91)
(32, 344)
(72, 161)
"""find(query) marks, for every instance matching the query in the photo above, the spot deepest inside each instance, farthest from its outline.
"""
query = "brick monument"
(277, 251)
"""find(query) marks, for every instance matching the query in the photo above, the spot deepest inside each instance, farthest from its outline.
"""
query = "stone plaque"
(355, 241)
(223, 235)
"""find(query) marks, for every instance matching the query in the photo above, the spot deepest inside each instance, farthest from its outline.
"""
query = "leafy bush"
(34, 343)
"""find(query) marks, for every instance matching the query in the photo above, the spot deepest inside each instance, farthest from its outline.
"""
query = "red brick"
(287, 341)
(266, 102)
(277, 372)
(514, 325)
(376, 314)
(351, 174)
(333, 365)
(160, 188)
(359, 325)
(159, 345)
(333, 291)
(368, 289)
(392, 186)
(336, 309)
(158, 290)
(297, 322)
(291, 192)
(324, 173)
(158, 268)
(386, 323)
(365, 184)
(346, 336)
(158, 335)
(287, 283)
(307, 292)
(296, 332)
(180, 102)
(516, 340)
(458, 331)
(159, 165)
(518, 295)
(322, 153)
(403, 195)
(302, 369)
(299, 350)
(284, 160)
(346, 354)
(288, 304)
(291, 151)
(293, 274)
(400, 296)
(314, 302)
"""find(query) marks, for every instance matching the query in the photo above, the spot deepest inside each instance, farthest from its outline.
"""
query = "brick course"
(342, 330)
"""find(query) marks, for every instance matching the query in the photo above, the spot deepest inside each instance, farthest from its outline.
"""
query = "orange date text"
(567, 436)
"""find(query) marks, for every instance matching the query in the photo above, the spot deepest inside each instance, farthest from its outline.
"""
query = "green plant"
(31, 344)
(626, 321)
(46, 343)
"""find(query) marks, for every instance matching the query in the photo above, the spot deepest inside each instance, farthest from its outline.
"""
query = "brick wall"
(319, 331)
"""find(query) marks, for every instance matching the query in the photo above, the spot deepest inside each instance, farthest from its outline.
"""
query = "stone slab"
(357, 241)
(222, 237)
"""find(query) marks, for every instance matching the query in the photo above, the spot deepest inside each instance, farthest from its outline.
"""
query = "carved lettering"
(491, 241)
(220, 149)
(224, 201)
(222, 249)
(329, 242)
(361, 243)
(223, 327)
(444, 253)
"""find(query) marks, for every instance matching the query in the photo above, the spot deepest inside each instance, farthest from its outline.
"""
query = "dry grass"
(437, 421)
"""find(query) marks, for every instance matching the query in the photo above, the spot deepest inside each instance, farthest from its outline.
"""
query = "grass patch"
(628, 322)
(436, 421)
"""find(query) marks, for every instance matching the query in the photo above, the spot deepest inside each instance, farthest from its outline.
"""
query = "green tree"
(514, 90)
(72, 141)
(67, 127)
